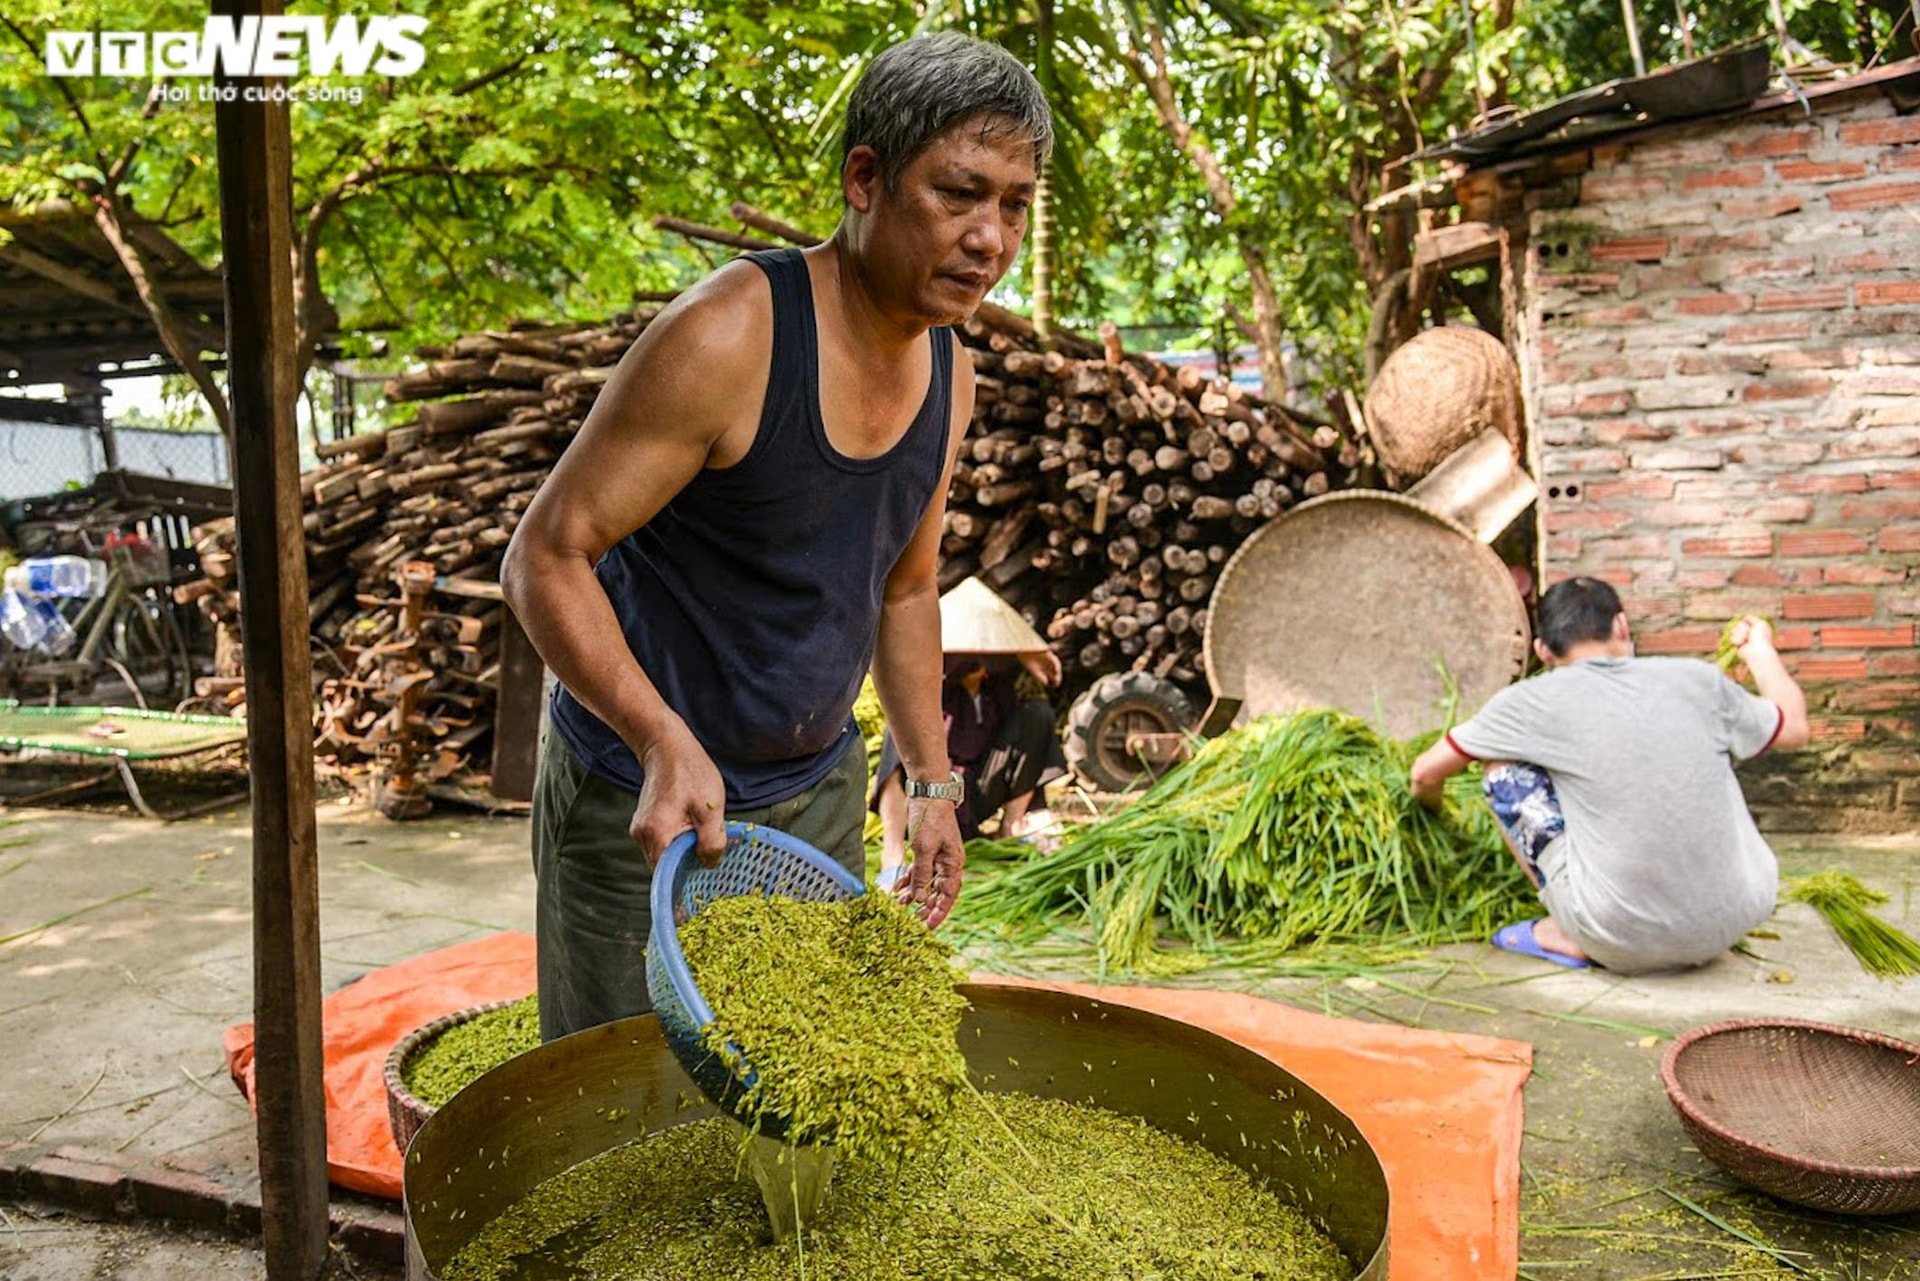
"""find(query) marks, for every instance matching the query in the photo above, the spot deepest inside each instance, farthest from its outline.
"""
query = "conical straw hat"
(974, 620)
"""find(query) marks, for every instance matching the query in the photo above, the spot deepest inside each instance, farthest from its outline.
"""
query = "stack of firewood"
(1100, 492)
(445, 489)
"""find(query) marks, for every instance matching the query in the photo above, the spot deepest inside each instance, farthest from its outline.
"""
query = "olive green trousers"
(593, 912)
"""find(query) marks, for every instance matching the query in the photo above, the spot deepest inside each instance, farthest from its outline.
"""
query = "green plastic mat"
(114, 731)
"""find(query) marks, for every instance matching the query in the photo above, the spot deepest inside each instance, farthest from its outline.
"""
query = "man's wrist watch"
(950, 789)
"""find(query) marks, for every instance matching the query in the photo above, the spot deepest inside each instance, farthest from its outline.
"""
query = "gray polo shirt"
(1661, 865)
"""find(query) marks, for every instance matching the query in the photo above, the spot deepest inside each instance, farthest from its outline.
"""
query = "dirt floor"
(124, 953)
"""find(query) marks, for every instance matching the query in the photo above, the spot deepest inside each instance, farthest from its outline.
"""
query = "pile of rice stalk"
(1291, 832)
(1883, 950)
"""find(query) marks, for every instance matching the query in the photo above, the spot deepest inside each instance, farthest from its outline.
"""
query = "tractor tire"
(1113, 707)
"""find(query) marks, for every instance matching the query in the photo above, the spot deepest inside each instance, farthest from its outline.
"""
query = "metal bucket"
(1479, 486)
(542, 1113)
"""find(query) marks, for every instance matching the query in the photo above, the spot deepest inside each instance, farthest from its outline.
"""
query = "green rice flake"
(1018, 1189)
(848, 1013)
(457, 1057)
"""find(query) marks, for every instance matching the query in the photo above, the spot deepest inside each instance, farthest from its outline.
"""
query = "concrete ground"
(124, 953)
(1611, 1188)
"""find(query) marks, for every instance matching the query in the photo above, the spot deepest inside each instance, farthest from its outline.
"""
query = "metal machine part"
(1127, 729)
(1369, 602)
(546, 1111)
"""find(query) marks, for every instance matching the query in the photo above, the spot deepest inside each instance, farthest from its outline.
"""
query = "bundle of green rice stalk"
(1291, 832)
(1725, 656)
(1882, 949)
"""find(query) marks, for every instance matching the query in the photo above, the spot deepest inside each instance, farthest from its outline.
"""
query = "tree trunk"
(177, 337)
(1152, 73)
(1043, 187)
(1502, 19)
(1266, 320)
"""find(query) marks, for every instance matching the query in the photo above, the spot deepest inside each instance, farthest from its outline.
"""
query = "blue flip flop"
(1519, 938)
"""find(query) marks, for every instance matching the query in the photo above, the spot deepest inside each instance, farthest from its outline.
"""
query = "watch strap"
(952, 788)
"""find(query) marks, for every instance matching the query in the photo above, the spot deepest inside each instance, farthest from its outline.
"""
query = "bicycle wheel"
(145, 638)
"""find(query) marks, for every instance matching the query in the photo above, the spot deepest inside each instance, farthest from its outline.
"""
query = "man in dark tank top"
(750, 519)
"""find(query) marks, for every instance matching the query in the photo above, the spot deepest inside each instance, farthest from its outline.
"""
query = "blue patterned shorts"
(1523, 800)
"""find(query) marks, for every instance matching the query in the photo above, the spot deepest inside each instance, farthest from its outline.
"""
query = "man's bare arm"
(673, 405)
(1753, 639)
(907, 671)
(1432, 770)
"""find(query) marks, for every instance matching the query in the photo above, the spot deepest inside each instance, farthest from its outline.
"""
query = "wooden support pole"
(256, 222)
(88, 396)
(516, 717)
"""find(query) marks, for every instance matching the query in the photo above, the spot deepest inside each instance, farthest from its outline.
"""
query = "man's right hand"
(1752, 639)
(681, 789)
(1752, 631)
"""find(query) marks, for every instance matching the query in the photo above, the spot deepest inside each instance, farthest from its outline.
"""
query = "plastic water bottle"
(34, 622)
(71, 576)
(20, 622)
(59, 636)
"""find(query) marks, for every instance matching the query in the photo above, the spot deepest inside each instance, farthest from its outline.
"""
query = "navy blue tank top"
(752, 600)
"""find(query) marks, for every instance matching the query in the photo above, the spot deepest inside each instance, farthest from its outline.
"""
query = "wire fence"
(43, 458)
(177, 455)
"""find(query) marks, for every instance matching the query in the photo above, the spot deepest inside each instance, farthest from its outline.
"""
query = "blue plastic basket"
(758, 860)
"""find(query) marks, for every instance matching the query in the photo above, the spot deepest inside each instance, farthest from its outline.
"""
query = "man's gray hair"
(919, 87)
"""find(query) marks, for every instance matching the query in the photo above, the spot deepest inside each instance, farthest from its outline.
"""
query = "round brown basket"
(406, 1113)
(1823, 1116)
(1435, 393)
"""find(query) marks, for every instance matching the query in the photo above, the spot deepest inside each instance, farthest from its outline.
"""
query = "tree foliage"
(516, 174)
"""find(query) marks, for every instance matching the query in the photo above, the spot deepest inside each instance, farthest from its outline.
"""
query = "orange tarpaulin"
(1441, 1109)
(361, 1023)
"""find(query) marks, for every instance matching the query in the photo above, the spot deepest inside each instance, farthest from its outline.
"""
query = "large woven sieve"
(1823, 1116)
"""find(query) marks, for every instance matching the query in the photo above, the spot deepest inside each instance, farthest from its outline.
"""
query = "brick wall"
(1721, 346)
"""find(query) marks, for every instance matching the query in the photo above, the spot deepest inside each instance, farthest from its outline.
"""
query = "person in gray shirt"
(1612, 777)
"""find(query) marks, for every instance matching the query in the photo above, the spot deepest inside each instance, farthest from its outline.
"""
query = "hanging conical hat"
(974, 620)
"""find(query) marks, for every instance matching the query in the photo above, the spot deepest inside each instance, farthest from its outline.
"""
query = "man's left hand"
(937, 857)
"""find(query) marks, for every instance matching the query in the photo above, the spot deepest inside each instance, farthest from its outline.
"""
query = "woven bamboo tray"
(1824, 1116)
(406, 1113)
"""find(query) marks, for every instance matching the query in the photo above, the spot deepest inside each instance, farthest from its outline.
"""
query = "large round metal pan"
(546, 1111)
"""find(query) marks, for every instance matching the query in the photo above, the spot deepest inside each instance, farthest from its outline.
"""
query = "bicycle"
(131, 628)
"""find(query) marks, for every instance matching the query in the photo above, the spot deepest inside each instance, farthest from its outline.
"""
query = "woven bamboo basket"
(406, 1113)
(1435, 393)
(1826, 1117)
